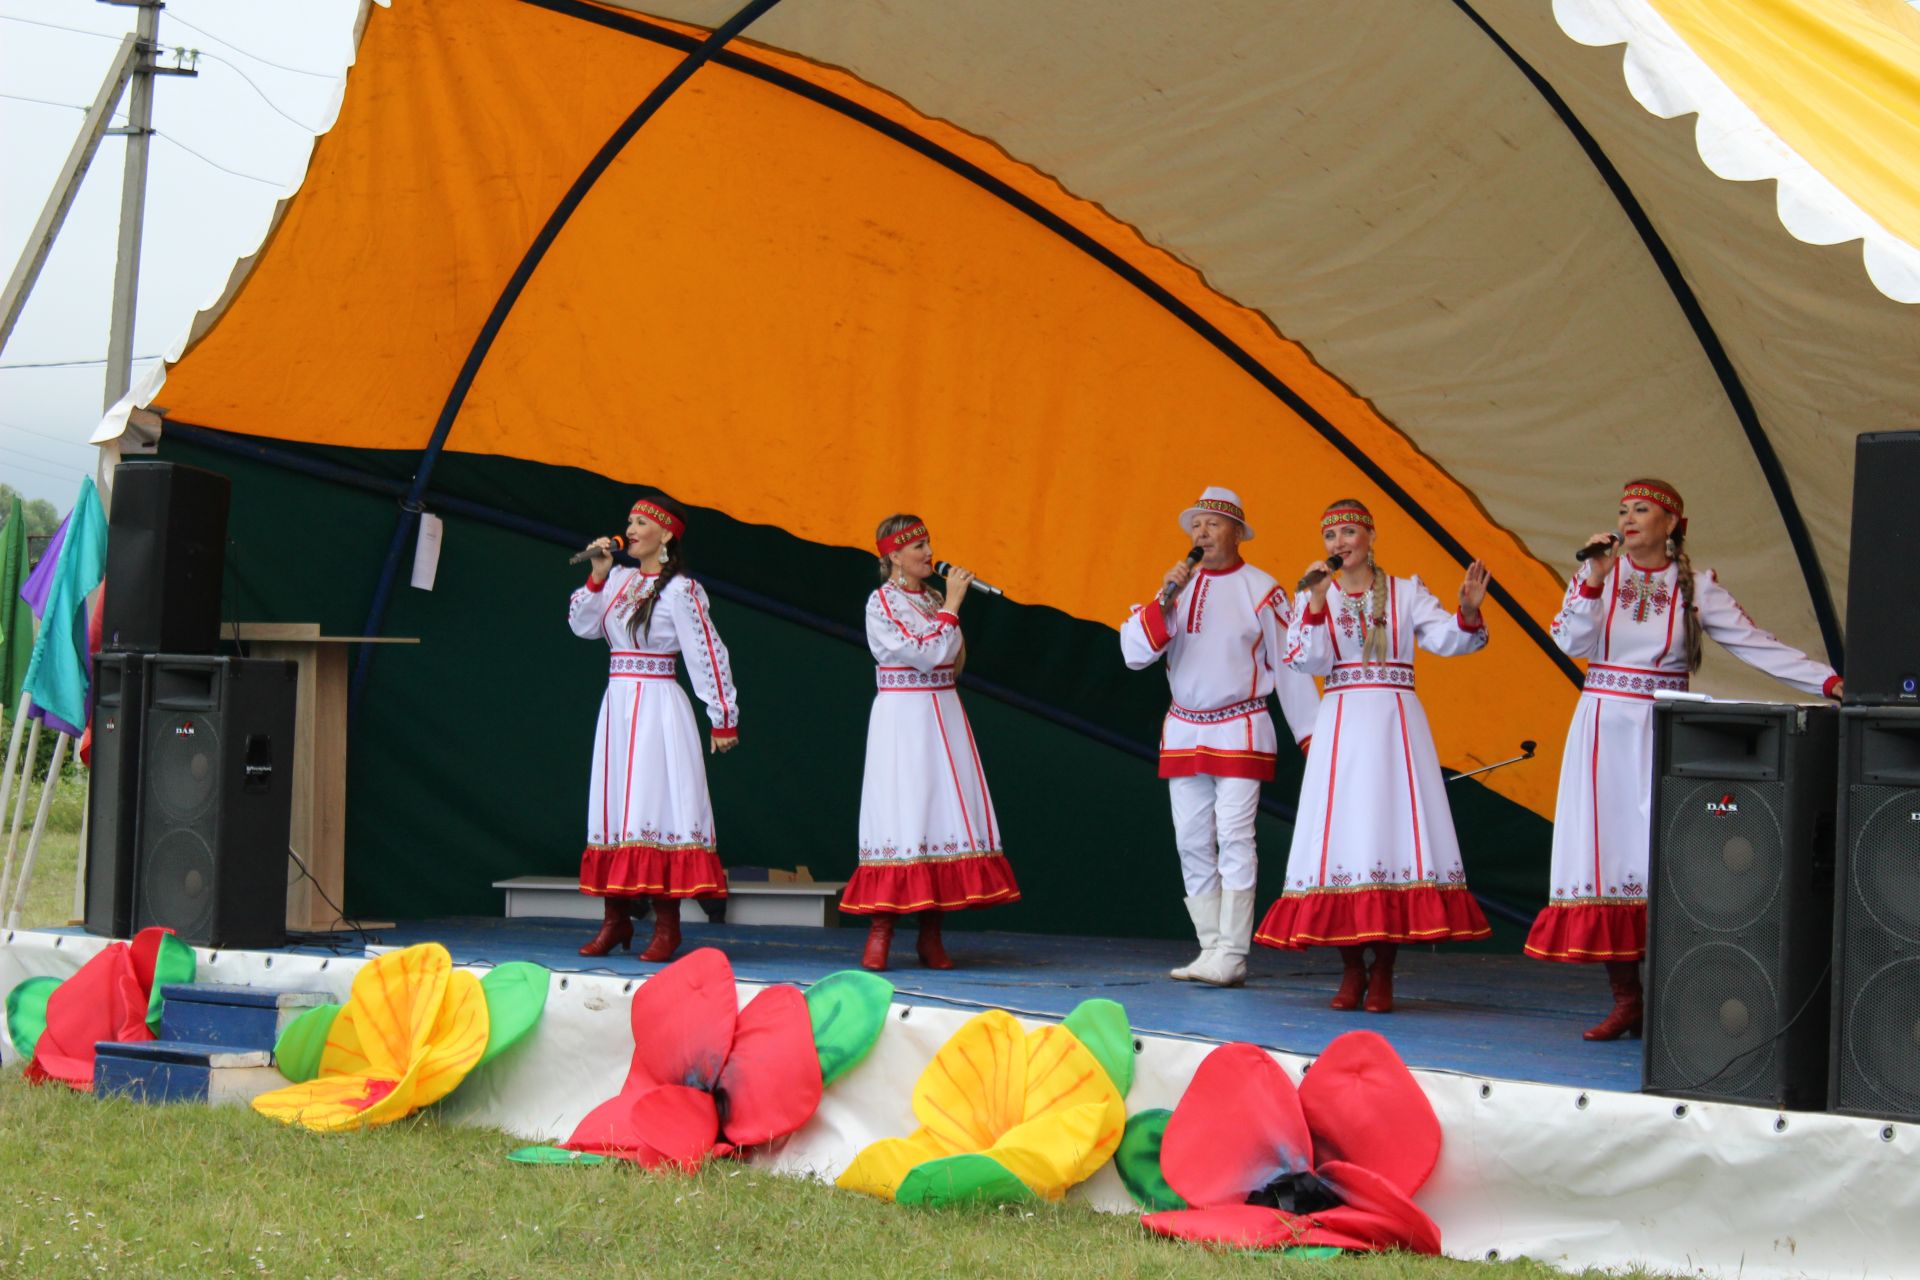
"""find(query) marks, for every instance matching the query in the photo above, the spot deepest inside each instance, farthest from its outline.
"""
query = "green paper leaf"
(27, 1013)
(554, 1155)
(516, 996)
(963, 1179)
(849, 1009)
(173, 962)
(297, 1051)
(1312, 1252)
(1138, 1162)
(1101, 1025)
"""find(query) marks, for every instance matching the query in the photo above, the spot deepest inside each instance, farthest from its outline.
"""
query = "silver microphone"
(944, 568)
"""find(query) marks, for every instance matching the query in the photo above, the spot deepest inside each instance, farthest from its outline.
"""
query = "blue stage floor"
(1491, 1015)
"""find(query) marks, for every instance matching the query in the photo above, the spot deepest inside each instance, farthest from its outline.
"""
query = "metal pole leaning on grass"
(13, 765)
(52, 785)
(80, 854)
(19, 804)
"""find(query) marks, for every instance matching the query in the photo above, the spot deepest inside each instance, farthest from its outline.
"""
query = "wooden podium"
(319, 830)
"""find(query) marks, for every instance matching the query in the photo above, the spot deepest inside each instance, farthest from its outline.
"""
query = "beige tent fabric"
(1379, 180)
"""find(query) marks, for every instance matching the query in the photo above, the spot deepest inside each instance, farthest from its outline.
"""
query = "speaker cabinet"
(1740, 907)
(166, 552)
(216, 797)
(119, 710)
(1883, 572)
(1876, 967)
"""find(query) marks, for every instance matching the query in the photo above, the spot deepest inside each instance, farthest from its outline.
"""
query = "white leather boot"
(1205, 910)
(1226, 964)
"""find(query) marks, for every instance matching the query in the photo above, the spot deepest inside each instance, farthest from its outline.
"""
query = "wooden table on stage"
(319, 829)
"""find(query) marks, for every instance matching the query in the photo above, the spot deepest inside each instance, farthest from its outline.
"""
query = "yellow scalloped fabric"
(1040, 1104)
(412, 1029)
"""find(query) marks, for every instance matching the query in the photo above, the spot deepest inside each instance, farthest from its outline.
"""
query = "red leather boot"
(666, 930)
(932, 954)
(616, 927)
(1380, 980)
(879, 940)
(1353, 979)
(1629, 1007)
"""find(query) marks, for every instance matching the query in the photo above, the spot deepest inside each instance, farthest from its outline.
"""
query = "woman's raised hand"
(602, 560)
(1602, 563)
(1473, 590)
(958, 580)
(1317, 593)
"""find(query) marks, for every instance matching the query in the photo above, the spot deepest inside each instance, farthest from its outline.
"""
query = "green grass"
(106, 1187)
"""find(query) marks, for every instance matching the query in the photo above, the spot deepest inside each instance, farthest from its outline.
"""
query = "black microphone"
(1593, 549)
(1315, 577)
(945, 568)
(619, 543)
(1168, 592)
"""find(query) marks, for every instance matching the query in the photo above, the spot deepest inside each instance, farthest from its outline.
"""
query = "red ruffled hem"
(1341, 918)
(1589, 932)
(950, 884)
(651, 871)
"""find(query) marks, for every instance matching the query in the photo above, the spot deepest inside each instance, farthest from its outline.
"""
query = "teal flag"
(62, 663)
(16, 616)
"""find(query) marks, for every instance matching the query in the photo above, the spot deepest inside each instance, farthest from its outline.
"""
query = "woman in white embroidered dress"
(1374, 859)
(929, 841)
(649, 820)
(1638, 618)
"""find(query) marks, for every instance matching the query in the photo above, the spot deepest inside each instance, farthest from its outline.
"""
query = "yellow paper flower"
(1039, 1106)
(410, 1032)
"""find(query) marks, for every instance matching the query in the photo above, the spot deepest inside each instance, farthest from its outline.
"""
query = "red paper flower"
(113, 997)
(1335, 1162)
(707, 1076)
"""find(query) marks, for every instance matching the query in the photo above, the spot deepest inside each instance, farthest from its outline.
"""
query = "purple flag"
(39, 583)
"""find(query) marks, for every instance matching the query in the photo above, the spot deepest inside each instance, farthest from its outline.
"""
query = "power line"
(234, 67)
(299, 71)
(72, 364)
(54, 26)
(250, 177)
(49, 102)
(14, 426)
(52, 462)
(51, 475)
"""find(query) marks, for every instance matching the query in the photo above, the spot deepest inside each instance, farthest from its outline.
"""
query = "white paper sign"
(426, 551)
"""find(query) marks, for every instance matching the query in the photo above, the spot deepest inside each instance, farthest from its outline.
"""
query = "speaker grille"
(1717, 938)
(1879, 996)
(177, 884)
(1719, 1017)
(182, 769)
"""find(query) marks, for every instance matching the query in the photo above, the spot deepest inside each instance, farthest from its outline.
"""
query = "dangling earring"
(1673, 548)
(666, 551)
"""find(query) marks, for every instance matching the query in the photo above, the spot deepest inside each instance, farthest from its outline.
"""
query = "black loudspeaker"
(1876, 966)
(1883, 572)
(1740, 903)
(216, 800)
(166, 551)
(119, 709)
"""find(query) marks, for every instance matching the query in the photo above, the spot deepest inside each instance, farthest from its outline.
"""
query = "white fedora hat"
(1220, 502)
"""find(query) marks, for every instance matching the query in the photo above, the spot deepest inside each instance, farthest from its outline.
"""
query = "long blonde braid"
(1378, 633)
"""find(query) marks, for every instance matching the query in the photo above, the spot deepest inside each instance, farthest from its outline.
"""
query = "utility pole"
(133, 195)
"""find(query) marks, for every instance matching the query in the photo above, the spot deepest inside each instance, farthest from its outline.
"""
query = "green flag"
(16, 618)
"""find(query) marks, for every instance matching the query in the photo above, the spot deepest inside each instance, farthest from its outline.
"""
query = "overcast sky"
(270, 76)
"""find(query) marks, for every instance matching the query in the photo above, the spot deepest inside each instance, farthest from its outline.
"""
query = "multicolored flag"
(16, 615)
(61, 669)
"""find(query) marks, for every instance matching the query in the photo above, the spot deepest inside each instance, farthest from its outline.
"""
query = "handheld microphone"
(943, 568)
(1315, 577)
(1593, 549)
(1168, 592)
(619, 544)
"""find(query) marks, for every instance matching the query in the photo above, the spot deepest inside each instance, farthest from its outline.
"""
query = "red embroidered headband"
(1346, 515)
(1663, 498)
(901, 539)
(673, 524)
